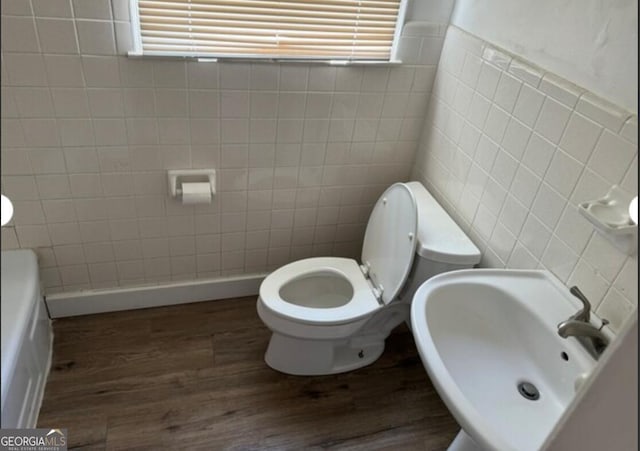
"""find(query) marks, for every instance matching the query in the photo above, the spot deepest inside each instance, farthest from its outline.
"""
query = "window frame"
(137, 51)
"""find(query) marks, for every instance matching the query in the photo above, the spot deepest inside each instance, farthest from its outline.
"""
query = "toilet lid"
(390, 240)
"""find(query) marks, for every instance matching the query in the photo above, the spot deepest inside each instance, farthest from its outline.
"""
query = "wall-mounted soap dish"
(610, 216)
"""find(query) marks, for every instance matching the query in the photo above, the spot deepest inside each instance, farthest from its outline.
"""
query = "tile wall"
(301, 151)
(511, 150)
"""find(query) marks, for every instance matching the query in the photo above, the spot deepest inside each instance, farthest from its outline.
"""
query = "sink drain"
(528, 390)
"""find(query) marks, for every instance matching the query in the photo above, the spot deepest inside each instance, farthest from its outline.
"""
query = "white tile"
(293, 78)
(57, 35)
(478, 110)
(469, 138)
(16, 162)
(484, 222)
(204, 103)
(528, 105)
(526, 72)
(603, 256)
(263, 105)
(41, 132)
(98, 252)
(471, 70)
(16, 8)
(493, 196)
(52, 8)
(560, 89)
(574, 229)
(13, 133)
(53, 186)
(400, 78)
(64, 233)
(462, 98)
(516, 138)
(590, 282)
(513, 214)
(627, 281)
(563, 173)
(525, 186)
(374, 79)
(580, 137)
(64, 70)
(488, 80)
(507, 91)
(74, 275)
(630, 181)
(24, 69)
(32, 236)
(616, 309)
(630, 129)
(590, 186)
(59, 210)
(234, 75)
(538, 154)
(318, 105)
(552, 120)
(496, 123)
(423, 78)
(504, 169)
(76, 132)
(47, 161)
(85, 185)
(234, 104)
(559, 259)
(96, 37)
(502, 242)
(430, 51)
(28, 212)
(496, 57)
(92, 9)
(264, 77)
(101, 71)
(321, 78)
(33, 102)
(19, 34)
(534, 236)
(70, 102)
(611, 157)
(548, 206)
(601, 111)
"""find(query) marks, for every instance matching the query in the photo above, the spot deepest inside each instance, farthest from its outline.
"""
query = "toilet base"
(302, 357)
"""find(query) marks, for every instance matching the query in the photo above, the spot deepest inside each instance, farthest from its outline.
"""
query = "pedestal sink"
(488, 339)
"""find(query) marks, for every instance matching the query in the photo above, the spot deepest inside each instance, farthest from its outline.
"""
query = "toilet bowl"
(330, 315)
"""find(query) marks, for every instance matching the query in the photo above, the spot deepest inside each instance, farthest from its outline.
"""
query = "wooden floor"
(193, 377)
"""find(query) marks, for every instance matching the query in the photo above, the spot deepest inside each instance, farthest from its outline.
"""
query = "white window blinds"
(295, 29)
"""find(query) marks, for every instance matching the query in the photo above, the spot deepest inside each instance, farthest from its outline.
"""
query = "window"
(344, 30)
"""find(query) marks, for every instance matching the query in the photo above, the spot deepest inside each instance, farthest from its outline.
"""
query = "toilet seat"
(363, 302)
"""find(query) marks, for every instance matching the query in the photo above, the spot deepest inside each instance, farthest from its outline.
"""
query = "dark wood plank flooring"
(193, 377)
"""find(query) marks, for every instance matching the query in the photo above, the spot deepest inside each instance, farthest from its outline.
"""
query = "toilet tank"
(442, 245)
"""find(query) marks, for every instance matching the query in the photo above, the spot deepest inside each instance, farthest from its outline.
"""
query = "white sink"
(480, 333)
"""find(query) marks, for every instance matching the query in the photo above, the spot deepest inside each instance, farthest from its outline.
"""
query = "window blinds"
(297, 29)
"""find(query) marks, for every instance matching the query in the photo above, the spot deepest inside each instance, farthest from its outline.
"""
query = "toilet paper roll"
(196, 193)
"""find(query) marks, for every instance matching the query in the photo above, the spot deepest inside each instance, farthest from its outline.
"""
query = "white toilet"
(330, 315)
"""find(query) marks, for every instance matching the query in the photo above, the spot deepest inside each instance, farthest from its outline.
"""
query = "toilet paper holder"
(179, 176)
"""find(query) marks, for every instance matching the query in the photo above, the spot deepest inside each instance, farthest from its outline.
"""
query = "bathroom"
(511, 114)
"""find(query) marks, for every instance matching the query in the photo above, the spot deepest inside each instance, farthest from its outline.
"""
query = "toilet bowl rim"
(361, 304)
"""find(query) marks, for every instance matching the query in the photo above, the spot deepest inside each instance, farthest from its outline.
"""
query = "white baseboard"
(99, 301)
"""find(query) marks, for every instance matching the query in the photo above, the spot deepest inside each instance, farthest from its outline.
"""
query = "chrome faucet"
(578, 325)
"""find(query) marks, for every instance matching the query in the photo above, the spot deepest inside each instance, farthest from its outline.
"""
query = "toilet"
(329, 315)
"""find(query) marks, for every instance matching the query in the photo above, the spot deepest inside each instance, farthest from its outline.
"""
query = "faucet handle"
(584, 314)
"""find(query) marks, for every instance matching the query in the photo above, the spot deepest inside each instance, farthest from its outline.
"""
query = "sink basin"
(488, 339)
